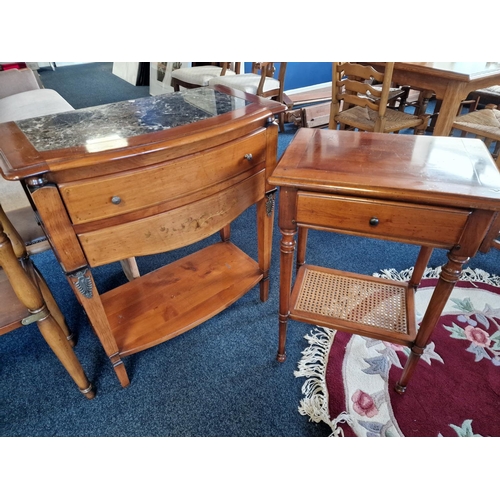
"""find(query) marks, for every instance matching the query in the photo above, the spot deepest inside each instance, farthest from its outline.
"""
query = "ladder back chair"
(261, 81)
(27, 299)
(485, 125)
(359, 104)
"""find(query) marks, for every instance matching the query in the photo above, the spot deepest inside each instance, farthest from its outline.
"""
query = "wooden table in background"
(435, 192)
(450, 81)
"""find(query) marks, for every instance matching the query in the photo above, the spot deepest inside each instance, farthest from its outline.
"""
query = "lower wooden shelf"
(365, 305)
(179, 296)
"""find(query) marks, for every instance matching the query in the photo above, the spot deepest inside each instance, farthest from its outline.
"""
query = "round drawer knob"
(374, 221)
(248, 156)
(116, 200)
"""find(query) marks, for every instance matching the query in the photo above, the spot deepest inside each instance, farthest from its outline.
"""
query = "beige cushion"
(32, 104)
(199, 75)
(247, 82)
(28, 104)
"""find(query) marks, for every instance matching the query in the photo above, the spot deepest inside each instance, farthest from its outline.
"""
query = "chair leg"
(28, 293)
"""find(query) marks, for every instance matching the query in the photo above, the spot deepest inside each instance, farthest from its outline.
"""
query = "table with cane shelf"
(435, 192)
(146, 176)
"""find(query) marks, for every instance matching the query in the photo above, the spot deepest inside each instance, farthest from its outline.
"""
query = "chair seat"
(485, 122)
(199, 75)
(247, 82)
(365, 118)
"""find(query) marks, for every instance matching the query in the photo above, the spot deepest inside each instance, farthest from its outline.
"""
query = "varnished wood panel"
(91, 200)
(396, 221)
(173, 229)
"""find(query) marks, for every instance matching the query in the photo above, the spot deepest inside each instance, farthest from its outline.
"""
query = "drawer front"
(113, 195)
(420, 224)
(175, 228)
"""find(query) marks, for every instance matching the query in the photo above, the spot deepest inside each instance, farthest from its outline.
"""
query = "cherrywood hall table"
(450, 81)
(435, 192)
(146, 176)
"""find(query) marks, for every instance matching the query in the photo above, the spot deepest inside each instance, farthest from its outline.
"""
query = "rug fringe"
(468, 274)
(313, 366)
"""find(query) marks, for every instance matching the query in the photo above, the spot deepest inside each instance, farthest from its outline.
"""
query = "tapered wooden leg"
(420, 266)
(225, 233)
(301, 246)
(56, 339)
(265, 224)
(27, 292)
(86, 292)
(287, 249)
(53, 307)
(450, 274)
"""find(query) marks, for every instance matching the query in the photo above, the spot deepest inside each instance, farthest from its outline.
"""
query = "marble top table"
(109, 126)
(148, 176)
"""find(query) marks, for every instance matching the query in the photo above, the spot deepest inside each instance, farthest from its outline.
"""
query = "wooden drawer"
(113, 195)
(172, 229)
(435, 226)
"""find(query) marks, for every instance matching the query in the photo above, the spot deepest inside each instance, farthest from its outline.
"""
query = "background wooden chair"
(358, 104)
(200, 75)
(26, 299)
(262, 81)
(483, 124)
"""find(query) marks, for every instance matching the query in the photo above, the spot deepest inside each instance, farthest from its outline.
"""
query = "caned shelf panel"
(369, 306)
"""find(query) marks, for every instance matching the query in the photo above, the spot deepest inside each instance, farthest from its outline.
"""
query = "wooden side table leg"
(301, 246)
(287, 249)
(450, 274)
(265, 225)
(83, 286)
(420, 266)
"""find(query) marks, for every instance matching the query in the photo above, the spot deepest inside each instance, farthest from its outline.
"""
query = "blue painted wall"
(303, 74)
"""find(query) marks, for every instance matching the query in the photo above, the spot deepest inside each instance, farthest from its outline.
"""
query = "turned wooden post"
(29, 294)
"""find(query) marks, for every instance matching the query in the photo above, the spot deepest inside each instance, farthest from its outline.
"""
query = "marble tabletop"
(109, 125)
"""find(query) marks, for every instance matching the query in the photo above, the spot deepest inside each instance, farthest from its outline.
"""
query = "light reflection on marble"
(126, 119)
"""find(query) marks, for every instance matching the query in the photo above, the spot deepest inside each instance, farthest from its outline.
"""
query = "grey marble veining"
(108, 126)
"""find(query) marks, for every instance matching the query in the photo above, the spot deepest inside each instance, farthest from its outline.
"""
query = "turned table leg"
(265, 225)
(287, 249)
(31, 297)
(301, 246)
(450, 274)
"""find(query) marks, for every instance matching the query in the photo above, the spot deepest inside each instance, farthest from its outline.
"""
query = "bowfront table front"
(146, 176)
(435, 192)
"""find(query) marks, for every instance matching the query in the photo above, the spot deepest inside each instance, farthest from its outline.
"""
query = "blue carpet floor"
(219, 379)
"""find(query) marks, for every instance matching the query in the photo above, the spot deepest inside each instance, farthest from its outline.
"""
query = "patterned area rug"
(455, 390)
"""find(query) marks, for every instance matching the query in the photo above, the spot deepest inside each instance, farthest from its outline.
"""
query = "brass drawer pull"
(116, 200)
(374, 221)
(248, 156)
